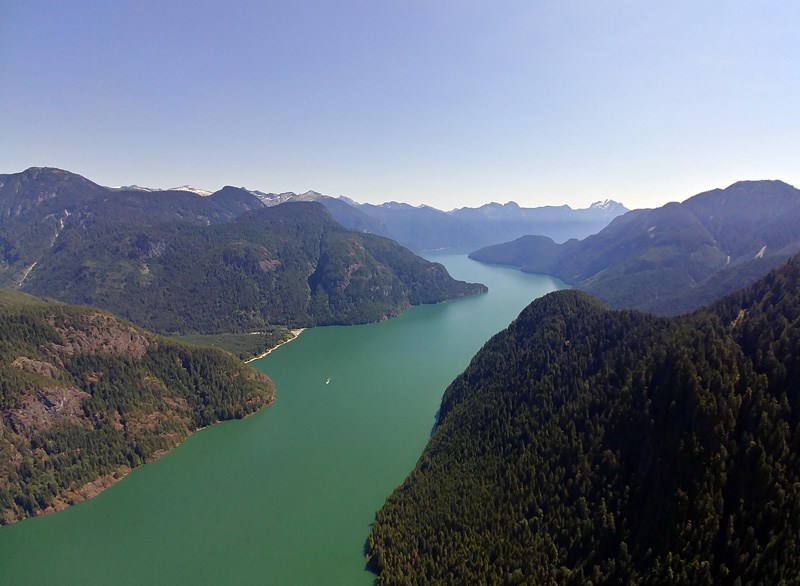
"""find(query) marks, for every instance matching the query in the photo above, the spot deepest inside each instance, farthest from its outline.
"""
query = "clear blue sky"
(445, 102)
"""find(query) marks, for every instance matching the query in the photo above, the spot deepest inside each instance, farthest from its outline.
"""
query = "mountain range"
(674, 258)
(588, 445)
(461, 230)
(178, 262)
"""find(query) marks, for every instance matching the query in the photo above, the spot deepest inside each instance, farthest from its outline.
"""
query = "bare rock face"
(102, 333)
(46, 407)
(87, 396)
(36, 367)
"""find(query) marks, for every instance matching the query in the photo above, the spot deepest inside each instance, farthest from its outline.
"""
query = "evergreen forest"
(85, 397)
(178, 263)
(584, 445)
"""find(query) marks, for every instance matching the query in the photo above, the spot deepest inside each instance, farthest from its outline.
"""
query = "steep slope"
(677, 257)
(39, 203)
(353, 218)
(584, 444)
(423, 227)
(85, 397)
(181, 262)
(33, 207)
(290, 264)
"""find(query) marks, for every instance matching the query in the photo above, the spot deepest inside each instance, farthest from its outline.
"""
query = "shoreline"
(295, 334)
(93, 488)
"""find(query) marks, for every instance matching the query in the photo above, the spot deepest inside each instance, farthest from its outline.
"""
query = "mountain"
(674, 258)
(427, 228)
(177, 262)
(422, 227)
(418, 228)
(33, 208)
(39, 203)
(187, 188)
(587, 445)
(497, 223)
(85, 397)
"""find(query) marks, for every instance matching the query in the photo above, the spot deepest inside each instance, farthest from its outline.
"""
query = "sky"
(449, 103)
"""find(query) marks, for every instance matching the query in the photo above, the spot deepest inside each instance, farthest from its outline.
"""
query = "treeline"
(589, 446)
(84, 395)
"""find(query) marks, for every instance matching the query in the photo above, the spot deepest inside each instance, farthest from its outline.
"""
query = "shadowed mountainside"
(674, 258)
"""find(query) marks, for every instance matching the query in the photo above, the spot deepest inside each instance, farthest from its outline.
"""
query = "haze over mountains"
(581, 444)
(179, 262)
(674, 258)
(424, 227)
(460, 230)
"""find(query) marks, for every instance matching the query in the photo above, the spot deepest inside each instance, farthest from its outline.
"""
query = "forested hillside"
(85, 397)
(290, 265)
(586, 445)
(674, 258)
(39, 203)
(178, 262)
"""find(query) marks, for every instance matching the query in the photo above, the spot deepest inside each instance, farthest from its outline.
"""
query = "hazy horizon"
(449, 104)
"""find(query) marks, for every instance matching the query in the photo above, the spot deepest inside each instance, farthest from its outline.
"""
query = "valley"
(399, 293)
(295, 488)
(287, 495)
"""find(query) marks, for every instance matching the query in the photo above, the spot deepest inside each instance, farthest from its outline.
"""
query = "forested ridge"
(590, 446)
(675, 258)
(85, 396)
(179, 263)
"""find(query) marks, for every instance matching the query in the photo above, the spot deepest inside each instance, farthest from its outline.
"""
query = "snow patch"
(25, 274)
(607, 205)
(190, 189)
(761, 252)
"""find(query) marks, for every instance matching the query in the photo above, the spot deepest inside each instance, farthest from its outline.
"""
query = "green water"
(286, 496)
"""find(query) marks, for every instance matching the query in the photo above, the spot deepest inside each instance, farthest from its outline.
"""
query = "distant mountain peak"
(273, 199)
(190, 189)
(758, 183)
(607, 204)
(186, 188)
(132, 188)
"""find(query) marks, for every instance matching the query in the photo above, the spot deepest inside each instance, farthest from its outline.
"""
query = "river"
(286, 496)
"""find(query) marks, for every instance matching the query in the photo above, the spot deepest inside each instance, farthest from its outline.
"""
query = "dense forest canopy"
(179, 263)
(590, 446)
(85, 396)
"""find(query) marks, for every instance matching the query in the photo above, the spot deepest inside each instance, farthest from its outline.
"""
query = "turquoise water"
(287, 495)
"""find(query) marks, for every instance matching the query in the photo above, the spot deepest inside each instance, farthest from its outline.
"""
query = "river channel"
(286, 496)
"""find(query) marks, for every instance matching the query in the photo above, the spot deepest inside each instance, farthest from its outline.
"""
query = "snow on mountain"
(191, 189)
(606, 204)
(188, 188)
(273, 199)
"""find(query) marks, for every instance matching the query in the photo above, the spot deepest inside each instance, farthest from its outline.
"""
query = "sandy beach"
(295, 333)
